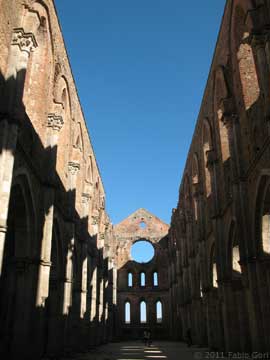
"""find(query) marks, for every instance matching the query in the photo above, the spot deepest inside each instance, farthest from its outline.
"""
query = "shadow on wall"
(232, 154)
(56, 282)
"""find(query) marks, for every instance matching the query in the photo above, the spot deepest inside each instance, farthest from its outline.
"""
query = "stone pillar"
(255, 305)
(114, 304)
(93, 311)
(211, 164)
(10, 117)
(231, 325)
(73, 168)
(54, 125)
(101, 305)
(85, 211)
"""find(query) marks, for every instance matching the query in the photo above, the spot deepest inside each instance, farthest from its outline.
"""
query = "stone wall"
(57, 279)
(142, 225)
(219, 235)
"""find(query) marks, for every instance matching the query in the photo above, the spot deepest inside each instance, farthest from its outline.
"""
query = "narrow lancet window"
(155, 278)
(159, 312)
(142, 279)
(130, 280)
(127, 313)
(143, 316)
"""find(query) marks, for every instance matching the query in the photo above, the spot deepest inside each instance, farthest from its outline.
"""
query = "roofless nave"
(67, 279)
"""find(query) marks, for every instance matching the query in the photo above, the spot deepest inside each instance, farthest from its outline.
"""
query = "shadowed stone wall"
(219, 234)
(56, 269)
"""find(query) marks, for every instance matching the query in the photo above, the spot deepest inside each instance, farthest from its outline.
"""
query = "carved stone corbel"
(86, 198)
(25, 41)
(73, 167)
(55, 122)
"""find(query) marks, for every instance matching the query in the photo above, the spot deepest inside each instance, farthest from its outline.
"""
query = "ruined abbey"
(67, 278)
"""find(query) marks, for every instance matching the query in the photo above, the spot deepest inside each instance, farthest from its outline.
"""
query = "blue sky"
(142, 251)
(140, 68)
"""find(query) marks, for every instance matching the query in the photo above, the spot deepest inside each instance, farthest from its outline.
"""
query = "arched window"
(201, 289)
(89, 174)
(155, 278)
(127, 312)
(236, 258)
(159, 314)
(234, 253)
(245, 58)
(142, 279)
(213, 268)
(195, 183)
(143, 314)
(130, 279)
(221, 95)
(207, 146)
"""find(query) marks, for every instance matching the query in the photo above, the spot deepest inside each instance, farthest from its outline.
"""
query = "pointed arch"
(159, 311)
(262, 217)
(62, 92)
(244, 62)
(89, 170)
(220, 94)
(36, 20)
(127, 314)
(142, 279)
(78, 137)
(155, 278)
(130, 279)
(20, 246)
(143, 312)
(63, 107)
(233, 251)
(207, 145)
(213, 267)
(195, 185)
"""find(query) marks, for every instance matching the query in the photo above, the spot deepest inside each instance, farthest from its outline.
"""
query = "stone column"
(231, 326)
(10, 117)
(114, 304)
(73, 168)
(93, 311)
(85, 211)
(101, 307)
(54, 125)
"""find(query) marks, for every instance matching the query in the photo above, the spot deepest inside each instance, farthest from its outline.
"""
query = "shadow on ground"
(137, 351)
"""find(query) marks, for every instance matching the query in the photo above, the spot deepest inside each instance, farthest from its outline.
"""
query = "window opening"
(142, 279)
(143, 317)
(159, 312)
(130, 279)
(127, 312)
(155, 278)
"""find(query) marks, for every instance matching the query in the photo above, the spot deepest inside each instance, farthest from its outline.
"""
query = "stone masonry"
(219, 236)
(126, 233)
(65, 270)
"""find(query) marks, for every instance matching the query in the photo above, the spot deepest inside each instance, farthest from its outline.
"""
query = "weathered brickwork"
(66, 273)
(57, 278)
(126, 233)
(219, 235)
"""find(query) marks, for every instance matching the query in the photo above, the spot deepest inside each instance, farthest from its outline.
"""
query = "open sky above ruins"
(140, 68)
